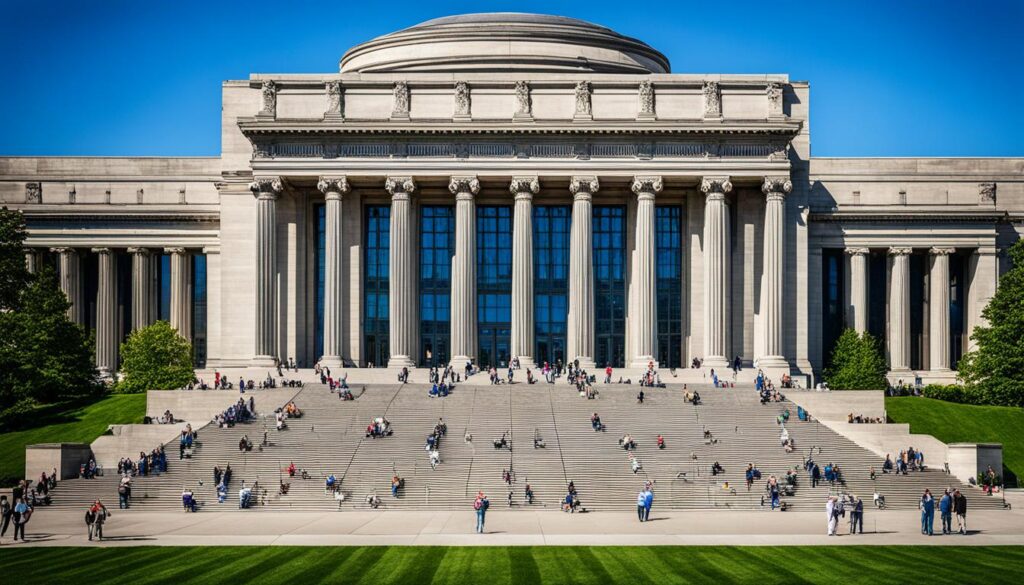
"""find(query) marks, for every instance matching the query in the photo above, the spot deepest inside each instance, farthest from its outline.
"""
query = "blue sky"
(889, 78)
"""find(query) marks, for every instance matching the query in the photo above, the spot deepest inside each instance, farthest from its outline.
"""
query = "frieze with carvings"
(33, 192)
(268, 96)
(775, 151)
(335, 107)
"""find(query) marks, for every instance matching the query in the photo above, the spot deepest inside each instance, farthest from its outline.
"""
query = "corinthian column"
(141, 287)
(523, 188)
(938, 305)
(69, 268)
(859, 288)
(106, 313)
(32, 260)
(333, 188)
(402, 267)
(581, 272)
(181, 291)
(899, 310)
(464, 270)
(266, 190)
(772, 282)
(716, 271)
(643, 315)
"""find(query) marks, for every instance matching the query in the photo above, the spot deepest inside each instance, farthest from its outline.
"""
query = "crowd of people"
(863, 419)
(909, 459)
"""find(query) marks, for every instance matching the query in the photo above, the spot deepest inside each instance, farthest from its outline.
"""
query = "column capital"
(647, 186)
(715, 187)
(64, 250)
(858, 251)
(139, 251)
(333, 187)
(584, 186)
(464, 187)
(900, 251)
(400, 187)
(777, 186)
(942, 251)
(266, 187)
(175, 250)
(987, 251)
(101, 250)
(524, 187)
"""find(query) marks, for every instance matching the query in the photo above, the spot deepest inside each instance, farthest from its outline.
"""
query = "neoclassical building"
(486, 186)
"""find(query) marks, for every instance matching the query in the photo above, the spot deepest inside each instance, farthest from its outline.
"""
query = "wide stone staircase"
(330, 439)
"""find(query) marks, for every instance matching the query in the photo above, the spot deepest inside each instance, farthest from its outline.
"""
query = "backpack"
(478, 504)
(485, 503)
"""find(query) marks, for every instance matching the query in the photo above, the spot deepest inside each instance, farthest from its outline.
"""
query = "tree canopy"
(994, 371)
(155, 358)
(857, 363)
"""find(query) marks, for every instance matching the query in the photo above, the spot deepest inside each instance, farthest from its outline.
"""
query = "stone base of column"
(775, 362)
(332, 361)
(264, 361)
(401, 361)
(104, 373)
(588, 364)
(938, 377)
(641, 362)
(459, 362)
(526, 363)
(719, 362)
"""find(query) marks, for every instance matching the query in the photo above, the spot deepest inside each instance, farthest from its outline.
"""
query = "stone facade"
(496, 116)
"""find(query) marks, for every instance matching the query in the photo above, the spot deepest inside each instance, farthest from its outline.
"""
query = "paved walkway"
(504, 528)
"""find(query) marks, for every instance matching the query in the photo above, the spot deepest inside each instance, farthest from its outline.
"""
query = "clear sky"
(142, 77)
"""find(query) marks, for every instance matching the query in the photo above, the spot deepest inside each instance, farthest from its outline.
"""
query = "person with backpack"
(480, 505)
(95, 516)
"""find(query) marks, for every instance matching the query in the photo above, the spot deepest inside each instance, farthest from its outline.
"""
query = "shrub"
(950, 393)
(155, 358)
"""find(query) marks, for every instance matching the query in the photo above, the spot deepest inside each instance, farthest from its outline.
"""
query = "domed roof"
(504, 41)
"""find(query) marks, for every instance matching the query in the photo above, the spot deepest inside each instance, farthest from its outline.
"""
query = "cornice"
(902, 214)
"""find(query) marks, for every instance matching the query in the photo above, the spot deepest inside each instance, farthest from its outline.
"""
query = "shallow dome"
(504, 41)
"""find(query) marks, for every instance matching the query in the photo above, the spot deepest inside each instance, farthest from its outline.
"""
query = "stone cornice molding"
(464, 187)
(333, 187)
(715, 187)
(900, 251)
(858, 251)
(524, 187)
(400, 187)
(584, 186)
(647, 186)
(266, 187)
(942, 251)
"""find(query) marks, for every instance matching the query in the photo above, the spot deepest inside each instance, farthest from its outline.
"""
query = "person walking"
(5, 515)
(648, 501)
(927, 512)
(641, 503)
(832, 513)
(857, 517)
(960, 509)
(946, 512)
(95, 516)
(480, 505)
(22, 513)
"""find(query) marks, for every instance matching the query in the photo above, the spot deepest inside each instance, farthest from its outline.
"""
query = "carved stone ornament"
(858, 251)
(397, 186)
(462, 103)
(583, 109)
(712, 100)
(646, 95)
(524, 105)
(334, 104)
(266, 186)
(584, 186)
(401, 100)
(328, 185)
(715, 186)
(648, 185)
(942, 251)
(269, 96)
(524, 185)
(464, 186)
(987, 192)
(774, 93)
(900, 251)
(33, 192)
(777, 185)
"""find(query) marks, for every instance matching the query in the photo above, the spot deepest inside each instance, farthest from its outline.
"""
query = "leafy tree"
(155, 358)
(44, 357)
(857, 363)
(15, 275)
(995, 369)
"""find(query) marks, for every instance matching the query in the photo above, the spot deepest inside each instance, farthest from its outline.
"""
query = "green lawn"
(962, 423)
(67, 423)
(495, 566)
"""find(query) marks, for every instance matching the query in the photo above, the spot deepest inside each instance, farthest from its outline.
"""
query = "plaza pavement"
(507, 528)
